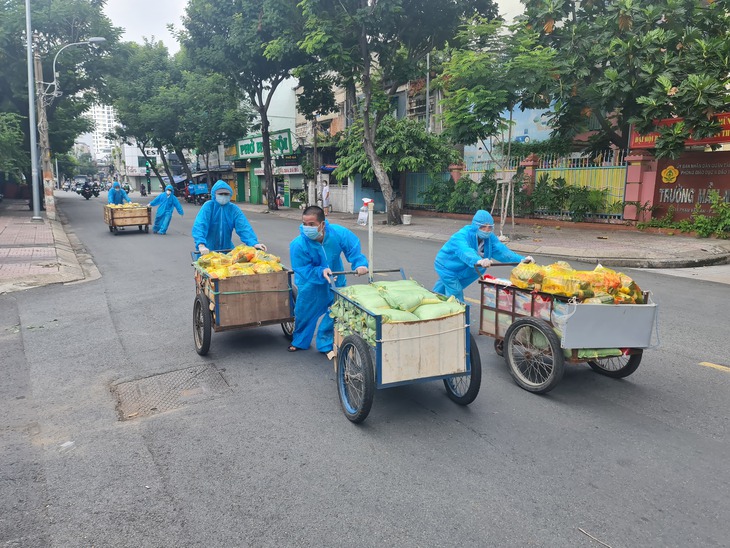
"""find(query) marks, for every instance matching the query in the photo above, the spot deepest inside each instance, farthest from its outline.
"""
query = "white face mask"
(222, 199)
(168, 192)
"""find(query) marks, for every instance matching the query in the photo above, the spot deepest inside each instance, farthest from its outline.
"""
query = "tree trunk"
(167, 167)
(268, 173)
(184, 162)
(393, 208)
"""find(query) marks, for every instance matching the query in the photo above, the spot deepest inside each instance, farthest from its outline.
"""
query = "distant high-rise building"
(105, 120)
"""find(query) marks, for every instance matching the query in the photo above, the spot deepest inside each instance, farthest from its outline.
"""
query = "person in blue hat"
(217, 219)
(117, 196)
(315, 254)
(165, 202)
(463, 258)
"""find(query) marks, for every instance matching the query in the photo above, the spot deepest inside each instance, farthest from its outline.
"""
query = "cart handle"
(351, 272)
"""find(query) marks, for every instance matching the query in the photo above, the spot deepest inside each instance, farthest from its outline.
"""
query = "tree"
(214, 114)
(624, 61)
(381, 44)
(403, 145)
(80, 69)
(13, 158)
(252, 42)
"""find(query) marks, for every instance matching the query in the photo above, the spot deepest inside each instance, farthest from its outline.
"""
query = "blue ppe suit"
(117, 196)
(165, 204)
(309, 258)
(215, 223)
(457, 258)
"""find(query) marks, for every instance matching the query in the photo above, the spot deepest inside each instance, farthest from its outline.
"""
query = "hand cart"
(119, 217)
(404, 353)
(241, 302)
(538, 332)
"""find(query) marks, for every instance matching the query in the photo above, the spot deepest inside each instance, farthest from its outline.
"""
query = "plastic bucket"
(407, 219)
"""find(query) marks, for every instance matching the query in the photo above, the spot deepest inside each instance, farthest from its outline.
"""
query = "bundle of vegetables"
(396, 302)
(599, 286)
(242, 260)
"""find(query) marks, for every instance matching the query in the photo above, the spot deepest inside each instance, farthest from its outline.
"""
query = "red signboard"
(648, 140)
(687, 181)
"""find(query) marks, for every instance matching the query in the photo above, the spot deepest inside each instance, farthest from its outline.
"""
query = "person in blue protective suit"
(315, 254)
(117, 195)
(165, 202)
(216, 221)
(463, 258)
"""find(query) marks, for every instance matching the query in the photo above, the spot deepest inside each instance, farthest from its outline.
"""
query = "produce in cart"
(242, 260)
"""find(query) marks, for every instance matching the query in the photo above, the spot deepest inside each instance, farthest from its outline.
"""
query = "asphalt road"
(272, 461)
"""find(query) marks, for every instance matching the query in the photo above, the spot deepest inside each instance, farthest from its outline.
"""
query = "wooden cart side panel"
(127, 216)
(253, 299)
(419, 350)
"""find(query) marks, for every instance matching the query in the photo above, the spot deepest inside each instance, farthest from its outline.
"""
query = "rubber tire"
(557, 365)
(499, 347)
(146, 229)
(111, 229)
(288, 327)
(475, 378)
(116, 231)
(353, 347)
(631, 365)
(87, 197)
(202, 324)
(139, 228)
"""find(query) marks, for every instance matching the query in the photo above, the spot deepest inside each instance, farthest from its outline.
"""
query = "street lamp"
(54, 85)
(46, 92)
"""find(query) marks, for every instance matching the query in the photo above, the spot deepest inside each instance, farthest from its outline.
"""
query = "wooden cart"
(538, 332)
(120, 217)
(241, 302)
(404, 353)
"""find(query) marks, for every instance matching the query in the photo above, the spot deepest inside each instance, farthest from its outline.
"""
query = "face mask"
(222, 199)
(482, 235)
(168, 192)
(311, 232)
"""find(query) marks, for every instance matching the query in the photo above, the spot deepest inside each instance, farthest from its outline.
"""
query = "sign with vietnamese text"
(649, 140)
(280, 170)
(253, 146)
(685, 183)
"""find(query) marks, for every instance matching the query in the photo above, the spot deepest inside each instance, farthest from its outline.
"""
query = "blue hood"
(482, 217)
(116, 185)
(219, 185)
(169, 187)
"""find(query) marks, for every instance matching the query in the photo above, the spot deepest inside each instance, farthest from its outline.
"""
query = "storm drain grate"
(159, 393)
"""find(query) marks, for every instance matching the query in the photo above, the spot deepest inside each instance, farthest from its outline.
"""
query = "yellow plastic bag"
(527, 276)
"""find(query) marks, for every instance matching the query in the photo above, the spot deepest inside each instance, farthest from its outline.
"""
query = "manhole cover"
(166, 391)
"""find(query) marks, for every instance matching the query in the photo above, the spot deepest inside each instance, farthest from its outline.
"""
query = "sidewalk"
(33, 254)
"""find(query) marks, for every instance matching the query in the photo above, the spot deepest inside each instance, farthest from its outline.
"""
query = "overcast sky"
(150, 17)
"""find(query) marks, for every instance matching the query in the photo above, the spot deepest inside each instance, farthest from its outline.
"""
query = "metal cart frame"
(538, 332)
(405, 353)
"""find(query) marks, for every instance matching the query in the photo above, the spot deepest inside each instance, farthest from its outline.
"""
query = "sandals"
(292, 348)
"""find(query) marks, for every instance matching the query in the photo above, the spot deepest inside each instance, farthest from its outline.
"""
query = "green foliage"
(81, 69)
(439, 192)
(716, 224)
(13, 157)
(629, 61)
(555, 196)
(402, 145)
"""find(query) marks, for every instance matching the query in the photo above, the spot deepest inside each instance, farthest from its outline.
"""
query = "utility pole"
(428, 93)
(317, 189)
(46, 167)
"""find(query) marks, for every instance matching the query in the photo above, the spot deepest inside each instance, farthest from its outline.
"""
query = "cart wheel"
(499, 347)
(201, 324)
(116, 231)
(533, 353)
(111, 229)
(288, 327)
(139, 227)
(617, 367)
(463, 390)
(146, 229)
(355, 378)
